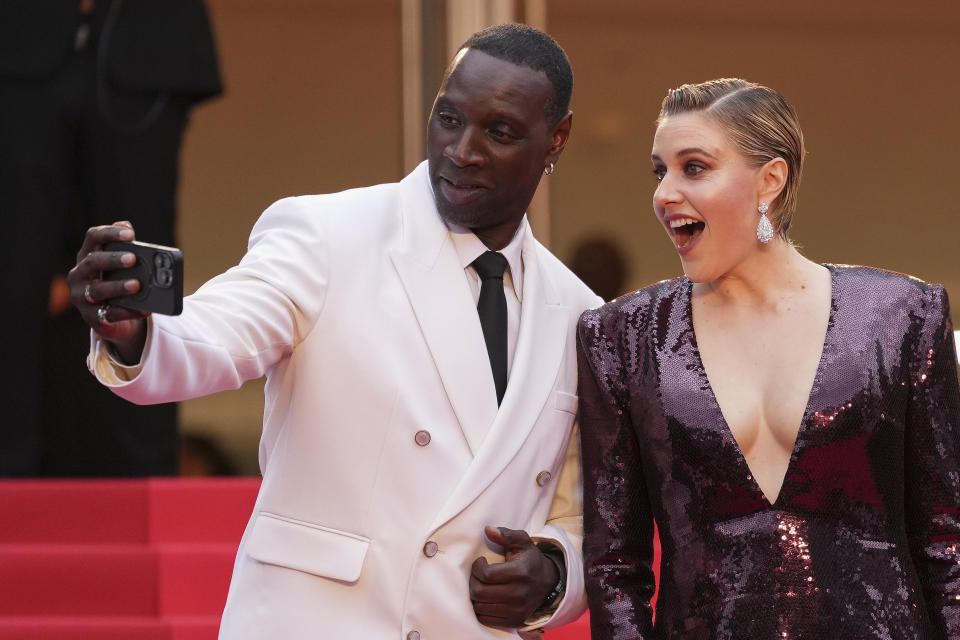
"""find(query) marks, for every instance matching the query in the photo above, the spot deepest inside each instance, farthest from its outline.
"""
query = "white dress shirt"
(469, 247)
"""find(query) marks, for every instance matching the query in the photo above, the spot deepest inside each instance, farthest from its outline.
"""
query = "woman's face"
(706, 196)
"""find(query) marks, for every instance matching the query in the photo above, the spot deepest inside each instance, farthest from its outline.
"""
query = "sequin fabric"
(862, 541)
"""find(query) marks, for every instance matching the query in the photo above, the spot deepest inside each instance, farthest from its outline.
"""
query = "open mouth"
(460, 193)
(462, 186)
(684, 230)
(465, 185)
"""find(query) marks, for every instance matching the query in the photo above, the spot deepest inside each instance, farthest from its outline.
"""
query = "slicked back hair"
(523, 45)
(761, 124)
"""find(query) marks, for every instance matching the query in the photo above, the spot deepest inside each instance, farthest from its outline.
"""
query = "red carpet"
(118, 560)
(126, 559)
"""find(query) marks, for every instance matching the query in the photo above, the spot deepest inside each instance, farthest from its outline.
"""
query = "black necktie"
(492, 307)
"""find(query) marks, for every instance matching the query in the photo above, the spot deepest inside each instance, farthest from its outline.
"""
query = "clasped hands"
(506, 594)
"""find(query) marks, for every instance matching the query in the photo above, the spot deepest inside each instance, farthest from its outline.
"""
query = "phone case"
(160, 272)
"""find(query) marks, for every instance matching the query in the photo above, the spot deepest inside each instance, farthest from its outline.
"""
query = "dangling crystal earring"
(547, 170)
(764, 228)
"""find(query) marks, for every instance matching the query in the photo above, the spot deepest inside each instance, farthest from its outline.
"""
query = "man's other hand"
(506, 594)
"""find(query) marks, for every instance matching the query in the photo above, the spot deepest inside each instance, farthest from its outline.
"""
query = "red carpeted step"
(109, 628)
(193, 579)
(83, 628)
(73, 511)
(201, 510)
(198, 628)
(66, 580)
(126, 511)
(123, 580)
(92, 580)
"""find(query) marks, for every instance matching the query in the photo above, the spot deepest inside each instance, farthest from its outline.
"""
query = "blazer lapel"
(431, 274)
(539, 352)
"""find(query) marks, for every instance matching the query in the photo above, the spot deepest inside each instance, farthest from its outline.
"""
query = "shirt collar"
(469, 247)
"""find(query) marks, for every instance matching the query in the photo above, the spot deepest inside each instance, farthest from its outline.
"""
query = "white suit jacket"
(383, 451)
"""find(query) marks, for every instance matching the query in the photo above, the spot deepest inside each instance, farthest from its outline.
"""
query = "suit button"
(413, 635)
(422, 438)
(543, 478)
(430, 549)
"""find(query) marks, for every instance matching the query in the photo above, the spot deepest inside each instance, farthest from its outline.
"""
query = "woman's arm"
(618, 524)
(932, 464)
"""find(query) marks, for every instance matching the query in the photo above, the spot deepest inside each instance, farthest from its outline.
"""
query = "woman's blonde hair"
(759, 122)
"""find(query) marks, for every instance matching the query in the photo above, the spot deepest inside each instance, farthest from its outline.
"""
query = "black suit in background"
(92, 112)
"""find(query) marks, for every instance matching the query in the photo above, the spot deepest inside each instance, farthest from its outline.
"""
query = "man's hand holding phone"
(158, 269)
(114, 295)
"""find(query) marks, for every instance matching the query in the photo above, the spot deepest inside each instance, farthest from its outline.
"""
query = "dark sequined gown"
(862, 541)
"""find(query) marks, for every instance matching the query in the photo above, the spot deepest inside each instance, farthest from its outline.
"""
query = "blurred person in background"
(94, 101)
(600, 263)
(201, 455)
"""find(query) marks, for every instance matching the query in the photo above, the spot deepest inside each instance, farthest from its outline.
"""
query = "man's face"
(488, 142)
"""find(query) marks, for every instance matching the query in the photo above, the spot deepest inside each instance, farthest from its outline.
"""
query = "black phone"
(160, 272)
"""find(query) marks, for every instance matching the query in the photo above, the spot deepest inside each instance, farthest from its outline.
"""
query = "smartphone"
(160, 272)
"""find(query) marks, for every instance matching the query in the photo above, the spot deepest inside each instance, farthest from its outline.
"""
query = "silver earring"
(764, 228)
(547, 170)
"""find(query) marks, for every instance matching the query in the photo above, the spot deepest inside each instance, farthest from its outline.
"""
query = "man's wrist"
(554, 555)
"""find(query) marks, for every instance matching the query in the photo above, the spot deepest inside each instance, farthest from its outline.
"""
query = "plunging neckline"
(817, 379)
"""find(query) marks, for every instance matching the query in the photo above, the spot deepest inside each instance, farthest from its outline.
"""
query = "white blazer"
(383, 451)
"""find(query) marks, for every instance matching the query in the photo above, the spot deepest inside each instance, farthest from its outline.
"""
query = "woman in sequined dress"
(791, 427)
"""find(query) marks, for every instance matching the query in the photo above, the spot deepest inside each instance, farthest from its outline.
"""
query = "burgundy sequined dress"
(863, 539)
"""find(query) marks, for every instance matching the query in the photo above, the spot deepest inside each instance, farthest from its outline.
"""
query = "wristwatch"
(555, 555)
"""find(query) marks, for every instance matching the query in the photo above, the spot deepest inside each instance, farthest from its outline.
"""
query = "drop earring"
(764, 228)
(547, 170)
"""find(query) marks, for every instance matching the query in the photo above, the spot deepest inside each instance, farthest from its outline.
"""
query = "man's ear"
(771, 180)
(560, 135)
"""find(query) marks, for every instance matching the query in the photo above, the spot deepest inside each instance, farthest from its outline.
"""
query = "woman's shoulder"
(882, 284)
(638, 304)
(888, 294)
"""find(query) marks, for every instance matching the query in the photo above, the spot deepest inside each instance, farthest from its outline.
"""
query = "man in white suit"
(395, 429)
